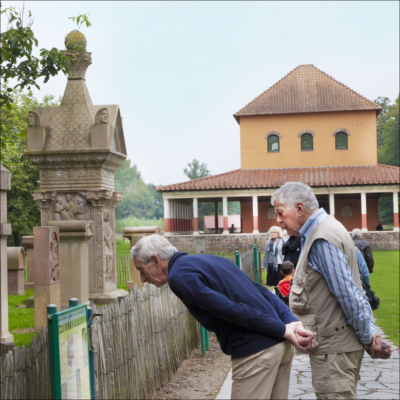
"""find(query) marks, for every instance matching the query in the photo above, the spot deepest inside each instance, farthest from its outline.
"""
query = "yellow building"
(307, 127)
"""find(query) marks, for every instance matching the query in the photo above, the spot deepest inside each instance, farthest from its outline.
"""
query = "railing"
(123, 270)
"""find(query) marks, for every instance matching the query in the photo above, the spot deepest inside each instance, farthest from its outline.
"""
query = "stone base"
(6, 337)
(19, 293)
(108, 297)
(29, 286)
(30, 302)
(45, 295)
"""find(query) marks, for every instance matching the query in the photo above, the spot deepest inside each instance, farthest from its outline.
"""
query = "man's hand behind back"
(376, 350)
(301, 338)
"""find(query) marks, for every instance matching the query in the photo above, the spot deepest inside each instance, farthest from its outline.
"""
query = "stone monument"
(134, 235)
(74, 260)
(16, 270)
(47, 272)
(5, 231)
(27, 242)
(77, 149)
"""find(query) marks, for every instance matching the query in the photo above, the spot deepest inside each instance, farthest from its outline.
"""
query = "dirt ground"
(197, 377)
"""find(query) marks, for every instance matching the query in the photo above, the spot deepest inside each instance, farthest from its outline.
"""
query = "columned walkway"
(379, 379)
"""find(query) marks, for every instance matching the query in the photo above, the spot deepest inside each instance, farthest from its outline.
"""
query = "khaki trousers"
(335, 376)
(263, 375)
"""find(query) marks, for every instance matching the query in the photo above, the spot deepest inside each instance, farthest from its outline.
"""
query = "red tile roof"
(307, 89)
(274, 178)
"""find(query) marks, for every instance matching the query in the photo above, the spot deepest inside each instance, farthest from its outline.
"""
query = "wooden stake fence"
(138, 344)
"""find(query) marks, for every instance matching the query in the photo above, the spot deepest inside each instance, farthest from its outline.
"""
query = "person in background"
(379, 227)
(232, 228)
(283, 288)
(327, 294)
(273, 256)
(362, 267)
(364, 247)
(251, 324)
(291, 250)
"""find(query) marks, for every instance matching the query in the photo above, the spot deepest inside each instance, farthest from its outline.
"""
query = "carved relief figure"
(80, 208)
(69, 208)
(65, 210)
(54, 264)
(108, 252)
(34, 119)
(58, 208)
(101, 116)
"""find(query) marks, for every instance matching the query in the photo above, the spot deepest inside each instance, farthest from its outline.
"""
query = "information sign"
(69, 353)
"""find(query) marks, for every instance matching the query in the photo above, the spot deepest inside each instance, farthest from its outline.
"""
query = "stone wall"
(211, 243)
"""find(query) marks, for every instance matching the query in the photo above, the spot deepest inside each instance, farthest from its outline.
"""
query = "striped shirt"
(331, 262)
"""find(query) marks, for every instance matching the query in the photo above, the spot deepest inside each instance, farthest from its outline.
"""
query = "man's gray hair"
(293, 192)
(356, 232)
(153, 245)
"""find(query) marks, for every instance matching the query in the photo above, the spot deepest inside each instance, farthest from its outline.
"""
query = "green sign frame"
(66, 355)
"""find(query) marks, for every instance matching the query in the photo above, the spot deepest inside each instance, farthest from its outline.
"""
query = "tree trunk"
(17, 242)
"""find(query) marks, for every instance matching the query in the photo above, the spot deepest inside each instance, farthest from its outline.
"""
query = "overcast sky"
(179, 70)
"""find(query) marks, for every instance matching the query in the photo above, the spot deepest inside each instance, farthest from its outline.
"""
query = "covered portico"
(351, 194)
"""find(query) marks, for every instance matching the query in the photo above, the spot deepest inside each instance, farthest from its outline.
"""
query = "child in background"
(283, 288)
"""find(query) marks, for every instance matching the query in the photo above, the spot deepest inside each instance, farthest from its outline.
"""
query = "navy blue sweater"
(245, 316)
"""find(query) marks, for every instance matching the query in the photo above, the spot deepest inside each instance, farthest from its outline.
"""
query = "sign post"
(69, 352)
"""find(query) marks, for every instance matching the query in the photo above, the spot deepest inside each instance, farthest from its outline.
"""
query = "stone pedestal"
(16, 269)
(134, 235)
(47, 272)
(74, 260)
(5, 231)
(27, 242)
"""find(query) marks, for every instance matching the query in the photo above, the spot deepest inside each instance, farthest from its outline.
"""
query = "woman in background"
(273, 256)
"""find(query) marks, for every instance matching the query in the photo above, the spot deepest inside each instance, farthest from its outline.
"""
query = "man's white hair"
(356, 232)
(293, 192)
(153, 245)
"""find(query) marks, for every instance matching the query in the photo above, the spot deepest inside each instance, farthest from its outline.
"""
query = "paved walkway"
(379, 378)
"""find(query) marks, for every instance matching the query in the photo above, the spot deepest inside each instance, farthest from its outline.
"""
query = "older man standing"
(250, 322)
(327, 295)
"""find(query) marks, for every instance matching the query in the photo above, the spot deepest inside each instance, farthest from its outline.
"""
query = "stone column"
(395, 212)
(225, 214)
(47, 272)
(102, 251)
(74, 260)
(16, 270)
(134, 235)
(364, 212)
(195, 217)
(27, 242)
(216, 216)
(5, 231)
(255, 215)
(332, 204)
(167, 217)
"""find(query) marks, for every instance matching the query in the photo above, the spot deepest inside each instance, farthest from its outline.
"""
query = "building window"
(341, 140)
(307, 142)
(271, 212)
(273, 143)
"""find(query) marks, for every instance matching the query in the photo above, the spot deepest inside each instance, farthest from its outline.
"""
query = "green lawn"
(123, 247)
(385, 284)
(20, 318)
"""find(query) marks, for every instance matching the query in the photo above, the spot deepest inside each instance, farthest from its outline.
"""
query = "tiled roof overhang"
(274, 178)
(307, 89)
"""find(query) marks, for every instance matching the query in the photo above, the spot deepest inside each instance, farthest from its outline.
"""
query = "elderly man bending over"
(327, 295)
(252, 324)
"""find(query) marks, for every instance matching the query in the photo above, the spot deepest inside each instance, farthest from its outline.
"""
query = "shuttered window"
(273, 143)
(341, 140)
(307, 142)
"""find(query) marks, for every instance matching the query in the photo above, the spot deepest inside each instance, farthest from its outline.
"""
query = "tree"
(196, 170)
(382, 118)
(18, 62)
(388, 149)
(23, 212)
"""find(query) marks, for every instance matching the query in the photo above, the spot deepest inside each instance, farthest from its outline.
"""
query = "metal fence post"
(207, 340)
(237, 257)
(73, 302)
(91, 354)
(203, 341)
(51, 309)
(256, 266)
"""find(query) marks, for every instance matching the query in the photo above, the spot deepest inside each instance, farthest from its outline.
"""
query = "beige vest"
(311, 300)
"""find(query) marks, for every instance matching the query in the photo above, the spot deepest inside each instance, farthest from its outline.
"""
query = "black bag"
(373, 300)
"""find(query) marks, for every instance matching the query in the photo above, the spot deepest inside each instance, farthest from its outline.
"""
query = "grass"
(385, 284)
(123, 247)
(20, 318)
